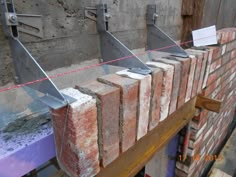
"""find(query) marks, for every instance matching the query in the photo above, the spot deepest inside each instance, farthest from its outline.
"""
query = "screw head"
(155, 15)
(107, 16)
(17, 80)
(13, 18)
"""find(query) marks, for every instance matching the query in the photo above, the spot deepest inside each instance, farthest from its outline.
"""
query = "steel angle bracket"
(157, 39)
(26, 67)
(113, 51)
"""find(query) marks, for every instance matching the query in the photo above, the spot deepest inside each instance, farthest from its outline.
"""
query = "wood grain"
(209, 104)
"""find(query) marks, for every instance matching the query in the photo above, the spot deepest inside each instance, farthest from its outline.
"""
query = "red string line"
(92, 66)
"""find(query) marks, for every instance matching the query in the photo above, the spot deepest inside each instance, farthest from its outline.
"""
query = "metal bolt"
(17, 79)
(155, 15)
(107, 16)
(13, 18)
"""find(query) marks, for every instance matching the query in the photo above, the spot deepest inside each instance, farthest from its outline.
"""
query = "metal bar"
(132, 161)
(158, 39)
(112, 48)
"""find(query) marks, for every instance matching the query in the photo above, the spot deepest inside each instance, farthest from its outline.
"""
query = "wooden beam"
(59, 173)
(133, 160)
(209, 104)
(187, 7)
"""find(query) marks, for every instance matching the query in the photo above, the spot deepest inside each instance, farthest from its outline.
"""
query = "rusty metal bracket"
(26, 67)
(113, 49)
(157, 39)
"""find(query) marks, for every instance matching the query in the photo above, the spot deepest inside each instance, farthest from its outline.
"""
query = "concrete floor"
(228, 163)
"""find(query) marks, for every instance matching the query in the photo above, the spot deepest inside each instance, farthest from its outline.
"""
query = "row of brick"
(209, 129)
(116, 110)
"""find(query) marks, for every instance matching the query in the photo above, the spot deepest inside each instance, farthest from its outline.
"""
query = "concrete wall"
(71, 39)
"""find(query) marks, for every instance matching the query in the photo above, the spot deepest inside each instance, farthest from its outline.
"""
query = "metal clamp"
(113, 49)
(158, 39)
(26, 67)
(26, 23)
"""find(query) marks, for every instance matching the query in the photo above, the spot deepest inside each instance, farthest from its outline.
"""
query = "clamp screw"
(107, 16)
(155, 15)
(13, 18)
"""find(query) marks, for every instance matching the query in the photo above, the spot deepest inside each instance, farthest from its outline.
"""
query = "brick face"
(185, 62)
(176, 82)
(108, 103)
(128, 107)
(155, 105)
(166, 87)
(77, 147)
(191, 78)
(144, 100)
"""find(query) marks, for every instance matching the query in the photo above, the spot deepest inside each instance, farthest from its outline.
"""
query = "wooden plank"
(133, 160)
(198, 13)
(209, 104)
(210, 12)
(187, 7)
(59, 173)
(227, 14)
(193, 21)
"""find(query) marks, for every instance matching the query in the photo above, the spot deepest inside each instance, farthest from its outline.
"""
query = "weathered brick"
(205, 56)
(197, 77)
(166, 87)
(233, 54)
(191, 78)
(128, 108)
(215, 65)
(108, 103)
(185, 63)
(76, 137)
(176, 82)
(215, 52)
(155, 105)
(144, 100)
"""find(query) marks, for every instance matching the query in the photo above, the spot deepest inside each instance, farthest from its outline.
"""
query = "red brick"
(233, 54)
(144, 100)
(215, 52)
(205, 56)
(185, 63)
(176, 82)
(197, 75)
(77, 137)
(166, 87)
(226, 35)
(230, 46)
(128, 107)
(155, 105)
(191, 78)
(215, 65)
(108, 103)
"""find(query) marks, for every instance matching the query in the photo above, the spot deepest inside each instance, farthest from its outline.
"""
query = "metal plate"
(113, 49)
(28, 70)
(157, 39)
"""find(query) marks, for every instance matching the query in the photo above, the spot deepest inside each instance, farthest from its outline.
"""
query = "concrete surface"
(227, 164)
